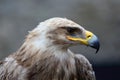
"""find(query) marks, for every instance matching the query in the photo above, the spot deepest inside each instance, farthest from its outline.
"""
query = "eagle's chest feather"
(53, 68)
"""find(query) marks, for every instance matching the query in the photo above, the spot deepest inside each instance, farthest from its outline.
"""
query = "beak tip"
(97, 50)
(96, 45)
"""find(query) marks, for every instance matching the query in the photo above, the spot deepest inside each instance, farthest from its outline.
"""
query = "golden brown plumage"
(45, 56)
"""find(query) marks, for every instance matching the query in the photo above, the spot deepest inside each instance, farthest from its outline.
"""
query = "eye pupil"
(70, 30)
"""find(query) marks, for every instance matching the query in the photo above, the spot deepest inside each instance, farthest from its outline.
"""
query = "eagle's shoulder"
(84, 68)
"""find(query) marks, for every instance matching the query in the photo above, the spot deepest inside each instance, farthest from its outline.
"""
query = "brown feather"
(83, 68)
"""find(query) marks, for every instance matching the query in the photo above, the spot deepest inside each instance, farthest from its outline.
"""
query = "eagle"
(44, 55)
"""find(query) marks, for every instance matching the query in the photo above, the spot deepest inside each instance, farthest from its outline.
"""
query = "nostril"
(88, 36)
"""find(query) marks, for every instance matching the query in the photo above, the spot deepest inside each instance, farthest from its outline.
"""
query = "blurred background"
(102, 17)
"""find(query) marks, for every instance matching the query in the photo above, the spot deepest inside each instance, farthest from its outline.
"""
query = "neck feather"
(29, 53)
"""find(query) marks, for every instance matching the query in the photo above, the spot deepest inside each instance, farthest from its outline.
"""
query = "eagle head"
(61, 33)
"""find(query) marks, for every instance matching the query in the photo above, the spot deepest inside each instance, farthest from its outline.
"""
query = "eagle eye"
(70, 30)
(73, 30)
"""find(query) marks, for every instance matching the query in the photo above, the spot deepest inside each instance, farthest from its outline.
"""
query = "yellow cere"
(88, 35)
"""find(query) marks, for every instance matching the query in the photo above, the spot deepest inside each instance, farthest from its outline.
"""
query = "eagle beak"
(89, 40)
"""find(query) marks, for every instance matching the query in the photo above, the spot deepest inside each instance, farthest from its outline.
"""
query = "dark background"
(102, 17)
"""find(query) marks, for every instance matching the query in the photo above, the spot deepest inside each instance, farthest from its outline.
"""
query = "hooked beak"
(89, 40)
(94, 43)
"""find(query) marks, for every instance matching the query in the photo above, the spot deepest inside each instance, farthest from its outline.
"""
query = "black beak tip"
(96, 45)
